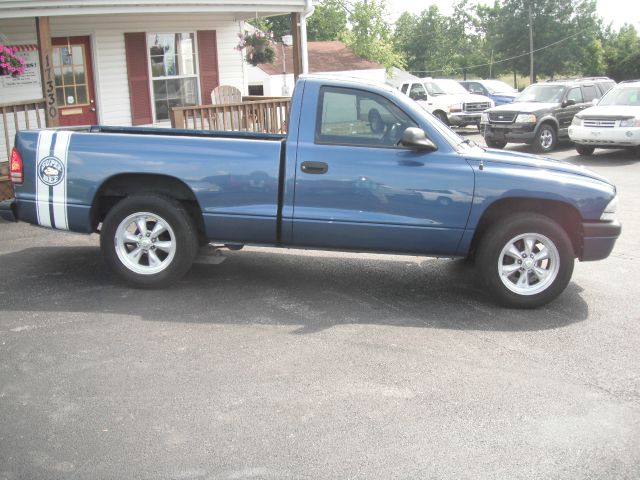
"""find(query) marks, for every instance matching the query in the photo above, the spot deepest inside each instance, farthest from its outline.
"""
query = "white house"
(127, 63)
(324, 57)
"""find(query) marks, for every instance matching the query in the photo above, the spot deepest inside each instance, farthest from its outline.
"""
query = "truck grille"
(475, 107)
(599, 122)
(502, 117)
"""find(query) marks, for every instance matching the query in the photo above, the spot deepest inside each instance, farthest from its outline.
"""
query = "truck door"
(355, 188)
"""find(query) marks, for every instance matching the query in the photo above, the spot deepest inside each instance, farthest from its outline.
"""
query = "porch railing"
(14, 117)
(253, 114)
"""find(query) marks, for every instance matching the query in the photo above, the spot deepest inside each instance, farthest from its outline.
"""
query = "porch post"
(46, 72)
(297, 48)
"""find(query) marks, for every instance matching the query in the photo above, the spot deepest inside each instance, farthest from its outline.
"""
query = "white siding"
(109, 61)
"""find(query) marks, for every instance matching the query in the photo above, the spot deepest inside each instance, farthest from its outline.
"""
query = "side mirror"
(595, 101)
(568, 103)
(415, 138)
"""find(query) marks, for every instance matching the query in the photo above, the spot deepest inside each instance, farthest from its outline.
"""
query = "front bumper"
(510, 132)
(8, 210)
(462, 119)
(605, 137)
(598, 239)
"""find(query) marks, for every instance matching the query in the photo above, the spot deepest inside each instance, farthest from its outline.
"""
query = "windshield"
(450, 86)
(622, 96)
(541, 94)
(433, 89)
(496, 86)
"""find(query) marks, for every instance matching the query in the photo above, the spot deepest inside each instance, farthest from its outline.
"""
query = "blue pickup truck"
(362, 168)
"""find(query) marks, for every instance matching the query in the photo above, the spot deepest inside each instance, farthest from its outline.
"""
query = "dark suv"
(542, 113)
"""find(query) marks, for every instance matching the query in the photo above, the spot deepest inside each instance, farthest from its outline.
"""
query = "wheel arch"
(123, 185)
(564, 214)
(548, 120)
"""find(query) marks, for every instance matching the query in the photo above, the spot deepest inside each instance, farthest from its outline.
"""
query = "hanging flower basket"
(10, 62)
(259, 47)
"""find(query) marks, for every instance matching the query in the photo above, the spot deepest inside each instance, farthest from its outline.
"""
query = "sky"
(616, 11)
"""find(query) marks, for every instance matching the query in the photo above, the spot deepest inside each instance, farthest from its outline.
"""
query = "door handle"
(314, 167)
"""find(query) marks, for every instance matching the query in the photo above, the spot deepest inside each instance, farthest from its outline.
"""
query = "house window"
(173, 61)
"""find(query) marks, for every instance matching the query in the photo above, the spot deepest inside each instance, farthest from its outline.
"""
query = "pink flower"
(21, 60)
(1, 58)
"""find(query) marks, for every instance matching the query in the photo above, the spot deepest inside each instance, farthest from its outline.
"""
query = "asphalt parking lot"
(290, 364)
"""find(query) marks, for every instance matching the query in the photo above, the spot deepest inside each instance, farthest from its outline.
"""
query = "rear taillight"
(16, 171)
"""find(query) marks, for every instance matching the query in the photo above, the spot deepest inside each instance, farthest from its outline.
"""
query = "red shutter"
(208, 62)
(135, 45)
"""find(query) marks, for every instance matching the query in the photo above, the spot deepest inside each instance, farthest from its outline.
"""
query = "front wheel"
(442, 117)
(525, 260)
(150, 241)
(495, 143)
(546, 139)
(584, 149)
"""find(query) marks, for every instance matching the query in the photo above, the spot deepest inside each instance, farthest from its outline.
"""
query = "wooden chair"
(224, 95)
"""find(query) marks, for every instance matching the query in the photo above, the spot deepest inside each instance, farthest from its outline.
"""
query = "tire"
(584, 149)
(525, 260)
(495, 143)
(546, 139)
(442, 117)
(131, 236)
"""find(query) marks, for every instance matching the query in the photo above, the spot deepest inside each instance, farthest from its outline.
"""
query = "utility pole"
(533, 75)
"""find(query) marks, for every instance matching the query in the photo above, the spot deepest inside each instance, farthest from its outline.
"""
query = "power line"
(504, 60)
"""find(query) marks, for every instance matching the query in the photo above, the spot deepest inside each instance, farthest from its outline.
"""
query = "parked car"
(541, 114)
(613, 123)
(496, 90)
(335, 181)
(438, 104)
(470, 106)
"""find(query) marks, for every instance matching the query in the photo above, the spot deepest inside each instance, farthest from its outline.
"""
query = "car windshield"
(622, 96)
(541, 94)
(450, 86)
(496, 86)
(433, 89)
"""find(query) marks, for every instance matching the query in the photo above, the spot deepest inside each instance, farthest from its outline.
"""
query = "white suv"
(613, 123)
(447, 100)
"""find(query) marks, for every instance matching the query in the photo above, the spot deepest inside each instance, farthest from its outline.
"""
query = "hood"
(504, 96)
(525, 107)
(536, 161)
(467, 97)
(444, 100)
(611, 111)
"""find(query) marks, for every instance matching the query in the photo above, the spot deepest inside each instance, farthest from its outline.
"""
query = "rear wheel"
(584, 149)
(150, 241)
(495, 143)
(525, 260)
(546, 139)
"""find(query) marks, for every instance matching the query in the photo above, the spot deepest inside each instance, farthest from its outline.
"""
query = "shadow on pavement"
(310, 292)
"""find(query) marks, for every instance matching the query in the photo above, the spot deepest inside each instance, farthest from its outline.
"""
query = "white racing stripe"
(42, 190)
(60, 151)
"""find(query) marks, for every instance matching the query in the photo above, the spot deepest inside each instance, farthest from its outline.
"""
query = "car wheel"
(442, 117)
(584, 149)
(495, 143)
(525, 260)
(150, 241)
(546, 139)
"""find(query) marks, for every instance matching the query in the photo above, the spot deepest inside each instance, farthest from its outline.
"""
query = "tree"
(328, 21)
(370, 34)
(622, 53)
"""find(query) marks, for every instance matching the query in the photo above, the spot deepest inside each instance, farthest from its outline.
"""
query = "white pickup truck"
(447, 100)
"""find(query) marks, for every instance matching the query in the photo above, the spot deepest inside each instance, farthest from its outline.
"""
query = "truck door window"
(354, 117)
(418, 92)
(404, 87)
